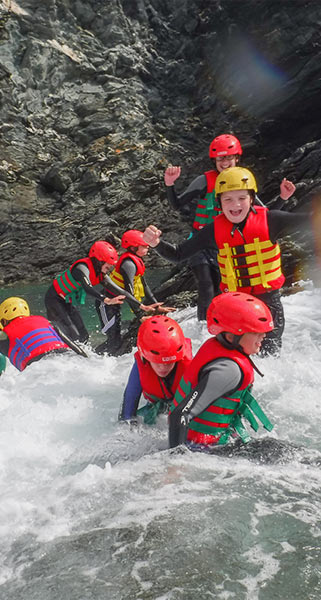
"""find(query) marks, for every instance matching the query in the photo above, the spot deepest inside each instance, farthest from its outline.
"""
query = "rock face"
(98, 96)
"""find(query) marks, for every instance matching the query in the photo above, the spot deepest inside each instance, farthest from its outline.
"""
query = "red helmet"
(133, 237)
(224, 145)
(161, 340)
(104, 252)
(238, 313)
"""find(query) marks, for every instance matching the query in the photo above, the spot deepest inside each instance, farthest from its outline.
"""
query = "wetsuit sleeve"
(180, 252)
(4, 343)
(278, 203)
(115, 290)
(196, 189)
(282, 221)
(148, 292)
(218, 378)
(81, 273)
(132, 395)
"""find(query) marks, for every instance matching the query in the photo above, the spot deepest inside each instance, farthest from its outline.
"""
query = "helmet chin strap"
(235, 345)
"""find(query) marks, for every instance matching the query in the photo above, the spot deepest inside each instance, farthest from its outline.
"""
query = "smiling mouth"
(236, 213)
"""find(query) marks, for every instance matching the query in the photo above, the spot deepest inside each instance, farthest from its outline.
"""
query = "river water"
(93, 511)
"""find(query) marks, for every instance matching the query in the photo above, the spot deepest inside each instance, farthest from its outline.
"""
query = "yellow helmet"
(14, 307)
(235, 178)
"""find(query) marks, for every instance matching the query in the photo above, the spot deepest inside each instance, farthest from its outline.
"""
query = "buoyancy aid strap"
(76, 297)
(230, 276)
(30, 341)
(210, 200)
(233, 268)
(182, 390)
(74, 292)
(138, 288)
(261, 265)
(139, 291)
(117, 278)
(258, 412)
(67, 282)
(150, 411)
(242, 432)
(248, 415)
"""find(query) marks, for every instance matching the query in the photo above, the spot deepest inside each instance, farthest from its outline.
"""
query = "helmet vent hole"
(264, 319)
(171, 328)
(155, 352)
(156, 331)
(180, 347)
(215, 320)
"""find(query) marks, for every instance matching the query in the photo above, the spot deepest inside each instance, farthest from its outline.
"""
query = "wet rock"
(97, 98)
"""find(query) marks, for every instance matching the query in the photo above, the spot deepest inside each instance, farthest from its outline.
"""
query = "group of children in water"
(236, 259)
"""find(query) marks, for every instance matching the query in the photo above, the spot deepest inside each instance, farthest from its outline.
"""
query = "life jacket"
(222, 418)
(31, 337)
(154, 387)
(248, 261)
(208, 208)
(117, 277)
(70, 289)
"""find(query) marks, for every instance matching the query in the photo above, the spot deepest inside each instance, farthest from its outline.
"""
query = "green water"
(34, 294)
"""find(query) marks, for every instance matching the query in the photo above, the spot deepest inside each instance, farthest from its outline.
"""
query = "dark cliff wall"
(98, 96)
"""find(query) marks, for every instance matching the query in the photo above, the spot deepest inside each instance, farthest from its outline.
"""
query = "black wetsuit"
(278, 222)
(110, 316)
(204, 263)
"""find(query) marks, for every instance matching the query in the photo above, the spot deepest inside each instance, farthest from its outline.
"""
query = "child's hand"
(152, 236)
(287, 188)
(147, 309)
(171, 174)
(116, 300)
(165, 309)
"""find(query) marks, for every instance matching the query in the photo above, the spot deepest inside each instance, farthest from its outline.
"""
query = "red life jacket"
(30, 337)
(248, 261)
(65, 284)
(208, 208)
(215, 420)
(154, 387)
(117, 277)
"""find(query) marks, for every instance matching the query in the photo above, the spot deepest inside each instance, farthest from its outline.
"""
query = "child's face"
(142, 250)
(251, 342)
(162, 369)
(224, 162)
(236, 205)
(106, 268)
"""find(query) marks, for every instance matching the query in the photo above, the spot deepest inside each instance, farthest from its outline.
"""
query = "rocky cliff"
(97, 96)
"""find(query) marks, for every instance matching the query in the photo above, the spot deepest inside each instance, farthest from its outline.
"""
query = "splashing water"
(92, 510)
